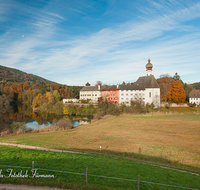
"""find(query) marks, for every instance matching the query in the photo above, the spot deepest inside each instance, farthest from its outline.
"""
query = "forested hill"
(196, 85)
(18, 86)
(13, 75)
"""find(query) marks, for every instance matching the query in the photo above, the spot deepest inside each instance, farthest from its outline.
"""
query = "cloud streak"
(112, 54)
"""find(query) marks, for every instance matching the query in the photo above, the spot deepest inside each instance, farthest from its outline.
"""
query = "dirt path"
(56, 150)
(38, 148)
(25, 187)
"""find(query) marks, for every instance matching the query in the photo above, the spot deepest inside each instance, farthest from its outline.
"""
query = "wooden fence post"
(32, 168)
(86, 176)
(138, 182)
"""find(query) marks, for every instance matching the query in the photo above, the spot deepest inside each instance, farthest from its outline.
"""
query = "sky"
(73, 42)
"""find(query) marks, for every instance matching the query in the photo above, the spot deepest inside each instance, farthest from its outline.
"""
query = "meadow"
(104, 172)
(172, 137)
(131, 145)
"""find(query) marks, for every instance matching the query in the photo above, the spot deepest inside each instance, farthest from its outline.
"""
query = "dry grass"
(172, 137)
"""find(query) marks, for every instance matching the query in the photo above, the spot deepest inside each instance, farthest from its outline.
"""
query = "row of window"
(126, 102)
(131, 90)
(109, 95)
(122, 95)
(131, 98)
(134, 94)
(88, 95)
(112, 98)
(194, 98)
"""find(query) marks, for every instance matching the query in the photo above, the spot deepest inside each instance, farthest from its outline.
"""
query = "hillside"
(13, 75)
(196, 85)
(20, 88)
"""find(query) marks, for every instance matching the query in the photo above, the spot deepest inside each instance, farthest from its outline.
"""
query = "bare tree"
(99, 83)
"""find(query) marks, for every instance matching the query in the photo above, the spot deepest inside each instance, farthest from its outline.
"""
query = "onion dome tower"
(87, 84)
(149, 67)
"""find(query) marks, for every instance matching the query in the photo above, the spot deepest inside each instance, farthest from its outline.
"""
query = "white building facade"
(92, 93)
(145, 89)
(194, 97)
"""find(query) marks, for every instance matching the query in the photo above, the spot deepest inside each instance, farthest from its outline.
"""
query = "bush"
(15, 126)
(192, 105)
(138, 106)
(64, 124)
(99, 115)
(5, 133)
(128, 109)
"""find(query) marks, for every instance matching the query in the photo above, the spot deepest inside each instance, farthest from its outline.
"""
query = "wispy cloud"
(113, 54)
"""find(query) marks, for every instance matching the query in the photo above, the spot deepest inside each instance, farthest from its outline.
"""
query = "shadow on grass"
(106, 170)
(158, 161)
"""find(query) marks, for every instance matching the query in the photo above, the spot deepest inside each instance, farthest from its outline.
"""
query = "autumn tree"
(56, 95)
(188, 89)
(36, 101)
(49, 96)
(176, 92)
(165, 81)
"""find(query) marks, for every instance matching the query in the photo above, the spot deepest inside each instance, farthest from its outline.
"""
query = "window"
(127, 94)
(122, 94)
(122, 98)
(149, 94)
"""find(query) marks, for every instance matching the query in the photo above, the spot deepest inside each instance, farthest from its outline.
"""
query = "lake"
(35, 120)
(76, 120)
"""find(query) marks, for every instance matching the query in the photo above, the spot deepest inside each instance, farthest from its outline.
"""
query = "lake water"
(35, 119)
(75, 120)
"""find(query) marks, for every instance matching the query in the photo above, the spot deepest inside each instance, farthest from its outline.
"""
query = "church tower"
(149, 67)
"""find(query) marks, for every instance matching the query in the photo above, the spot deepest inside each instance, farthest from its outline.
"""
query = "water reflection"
(36, 119)
(35, 125)
(76, 120)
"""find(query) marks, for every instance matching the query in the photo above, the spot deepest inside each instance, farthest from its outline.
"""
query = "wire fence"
(86, 174)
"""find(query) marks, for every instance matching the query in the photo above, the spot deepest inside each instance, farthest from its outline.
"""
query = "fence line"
(106, 177)
(183, 171)
(66, 151)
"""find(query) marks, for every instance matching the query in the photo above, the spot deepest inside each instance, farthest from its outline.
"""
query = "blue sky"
(79, 41)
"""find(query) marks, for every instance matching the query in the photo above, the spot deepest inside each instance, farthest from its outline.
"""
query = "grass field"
(166, 139)
(104, 172)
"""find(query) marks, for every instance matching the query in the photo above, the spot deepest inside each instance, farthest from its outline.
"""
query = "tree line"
(173, 89)
(33, 94)
(23, 94)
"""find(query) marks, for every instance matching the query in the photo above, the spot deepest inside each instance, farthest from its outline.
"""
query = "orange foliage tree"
(171, 89)
(165, 81)
(176, 92)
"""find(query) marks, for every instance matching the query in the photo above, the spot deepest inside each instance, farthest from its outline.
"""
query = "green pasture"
(104, 172)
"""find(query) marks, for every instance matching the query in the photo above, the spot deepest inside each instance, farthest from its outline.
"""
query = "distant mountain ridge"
(14, 75)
